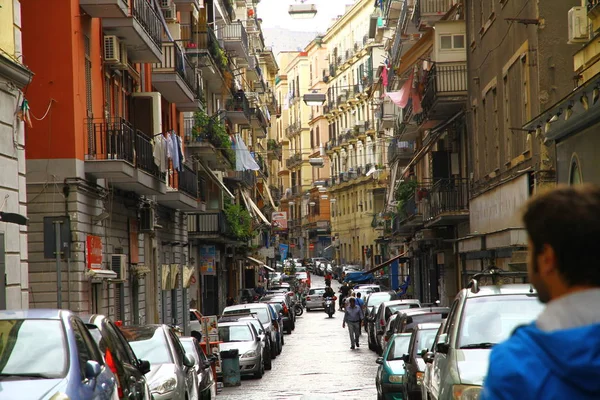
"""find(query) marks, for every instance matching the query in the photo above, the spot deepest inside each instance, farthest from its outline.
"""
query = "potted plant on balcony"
(404, 191)
(239, 221)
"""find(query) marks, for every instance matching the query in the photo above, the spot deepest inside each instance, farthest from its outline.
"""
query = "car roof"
(394, 302)
(495, 290)
(36, 313)
(428, 325)
(424, 311)
(245, 306)
(234, 323)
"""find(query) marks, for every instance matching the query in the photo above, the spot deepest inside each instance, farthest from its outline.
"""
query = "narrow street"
(316, 363)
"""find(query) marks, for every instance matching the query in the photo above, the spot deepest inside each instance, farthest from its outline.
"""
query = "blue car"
(50, 354)
(391, 373)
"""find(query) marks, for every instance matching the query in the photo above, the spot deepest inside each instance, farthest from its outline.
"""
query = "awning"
(434, 135)
(214, 178)
(401, 258)
(270, 196)
(258, 262)
(392, 186)
(255, 208)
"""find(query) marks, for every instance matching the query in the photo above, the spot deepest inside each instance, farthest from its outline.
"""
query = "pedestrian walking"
(352, 316)
(557, 356)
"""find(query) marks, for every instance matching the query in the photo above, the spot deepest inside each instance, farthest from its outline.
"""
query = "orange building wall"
(53, 47)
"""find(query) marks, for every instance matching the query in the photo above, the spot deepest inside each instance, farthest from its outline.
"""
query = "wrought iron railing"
(239, 102)
(235, 31)
(173, 60)
(447, 196)
(188, 181)
(144, 13)
(444, 79)
(210, 223)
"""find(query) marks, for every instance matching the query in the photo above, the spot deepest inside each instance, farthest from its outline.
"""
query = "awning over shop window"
(215, 179)
(401, 258)
(260, 263)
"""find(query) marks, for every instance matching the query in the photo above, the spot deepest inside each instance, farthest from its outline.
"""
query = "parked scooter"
(329, 305)
(298, 309)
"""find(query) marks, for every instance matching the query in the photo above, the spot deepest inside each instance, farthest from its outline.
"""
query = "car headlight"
(396, 378)
(466, 392)
(59, 396)
(249, 354)
(164, 386)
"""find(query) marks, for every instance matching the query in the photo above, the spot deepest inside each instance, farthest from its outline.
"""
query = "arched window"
(575, 171)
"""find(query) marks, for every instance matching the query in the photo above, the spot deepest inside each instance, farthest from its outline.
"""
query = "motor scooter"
(329, 305)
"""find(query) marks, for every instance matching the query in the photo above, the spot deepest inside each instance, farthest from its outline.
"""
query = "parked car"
(260, 330)
(428, 358)
(196, 323)
(390, 373)
(288, 317)
(408, 319)
(120, 358)
(247, 296)
(51, 354)
(422, 337)
(480, 317)
(368, 287)
(207, 386)
(171, 370)
(244, 338)
(385, 311)
(264, 314)
(314, 299)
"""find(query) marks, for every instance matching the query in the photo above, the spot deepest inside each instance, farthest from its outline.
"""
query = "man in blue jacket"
(558, 356)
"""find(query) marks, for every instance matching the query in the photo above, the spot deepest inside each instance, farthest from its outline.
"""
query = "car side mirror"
(423, 352)
(379, 360)
(405, 358)
(189, 361)
(92, 369)
(144, 366)
(442, 345)
(428, 357)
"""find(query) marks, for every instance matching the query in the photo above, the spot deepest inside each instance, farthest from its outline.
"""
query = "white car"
(314, 299)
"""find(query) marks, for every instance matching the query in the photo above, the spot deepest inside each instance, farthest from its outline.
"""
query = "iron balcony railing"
(447, 196)
(117, 139)
(210, 223)
(239, 102)
(431, 7)
(400, 27)
(400, 149)
(235, 31)
(148, 18)
(188, 181)
(173, 59)
(444, 79)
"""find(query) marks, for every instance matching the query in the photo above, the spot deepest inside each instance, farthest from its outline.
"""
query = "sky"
(274, 14)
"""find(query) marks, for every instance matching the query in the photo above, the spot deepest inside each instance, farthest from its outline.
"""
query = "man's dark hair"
(568, 220)
(358, 295)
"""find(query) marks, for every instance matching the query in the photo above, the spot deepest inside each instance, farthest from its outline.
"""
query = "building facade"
(14, 78)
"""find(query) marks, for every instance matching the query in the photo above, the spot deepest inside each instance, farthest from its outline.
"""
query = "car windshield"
(376, 299)
(424, 340)
(492, 319)
(261, 313)
(398, 347)
(397, 307)
(33, 348)
(235, 333)
(149, 343)
(316, 292)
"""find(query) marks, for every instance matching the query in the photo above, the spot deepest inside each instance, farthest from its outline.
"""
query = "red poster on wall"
(93, 252)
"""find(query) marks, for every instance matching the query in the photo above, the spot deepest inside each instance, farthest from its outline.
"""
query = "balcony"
(235, 40)
(274, 149)
(592, 8)
(445, 91)
(175, 78)
(447, 202)
(247, 178)
(259, 121)
(209, 226)
(428, 11)
(116, 151)
(401, 150)
(293, 161)
(188, 5)
(141, 30)
(238, 109)
(105, 8)
(182, 191)
(205, 145)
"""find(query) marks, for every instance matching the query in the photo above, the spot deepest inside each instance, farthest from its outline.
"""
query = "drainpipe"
(66, 191)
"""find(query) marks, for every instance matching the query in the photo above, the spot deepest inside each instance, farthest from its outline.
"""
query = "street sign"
(311, 246)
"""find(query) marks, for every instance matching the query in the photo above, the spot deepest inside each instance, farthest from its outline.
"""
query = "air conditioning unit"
(146, 219)
(112, 49)
(124, 58)
(578, 25)
(170, 13)
(118, 263)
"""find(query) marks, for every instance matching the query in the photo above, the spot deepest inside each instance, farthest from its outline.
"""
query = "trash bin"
(230, 368)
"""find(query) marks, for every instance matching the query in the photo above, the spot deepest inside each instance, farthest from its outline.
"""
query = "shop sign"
(279, 221)
(499, 208)
(93, 251)
(207, 260)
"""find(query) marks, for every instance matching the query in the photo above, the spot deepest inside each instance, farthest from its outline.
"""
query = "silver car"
(314, 299)
(172, 374)
(242, 337)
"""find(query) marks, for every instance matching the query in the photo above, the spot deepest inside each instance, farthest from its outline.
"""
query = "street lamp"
(314, 99)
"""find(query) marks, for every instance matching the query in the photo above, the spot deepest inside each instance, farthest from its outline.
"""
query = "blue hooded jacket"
(535, 364)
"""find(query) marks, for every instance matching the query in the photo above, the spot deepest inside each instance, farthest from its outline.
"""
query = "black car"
(420, 342)
(372, 302)
(120, 357)
(287, 315)
(207, 385)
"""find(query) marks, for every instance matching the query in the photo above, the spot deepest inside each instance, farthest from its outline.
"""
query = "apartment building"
(137, 164)
(569, 125)
(358, 162)
(14, 78)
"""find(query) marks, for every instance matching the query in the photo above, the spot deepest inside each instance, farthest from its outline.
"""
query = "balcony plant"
(239, 220)
(404, 191)
(212, 130)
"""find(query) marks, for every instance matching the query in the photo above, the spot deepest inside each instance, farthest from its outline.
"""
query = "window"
(575, 174)
(86, 347)
(452, 42)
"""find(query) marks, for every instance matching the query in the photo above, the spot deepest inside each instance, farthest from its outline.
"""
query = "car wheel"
(261, 371)
(268, 361)
(273, 348)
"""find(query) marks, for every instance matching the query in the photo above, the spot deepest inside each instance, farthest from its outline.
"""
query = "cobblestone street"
(316, 363)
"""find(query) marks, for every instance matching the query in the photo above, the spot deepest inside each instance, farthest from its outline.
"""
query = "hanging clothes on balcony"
(174, 151)
(180, 150)
(243, 159)
(401, 97)
(159, 153)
